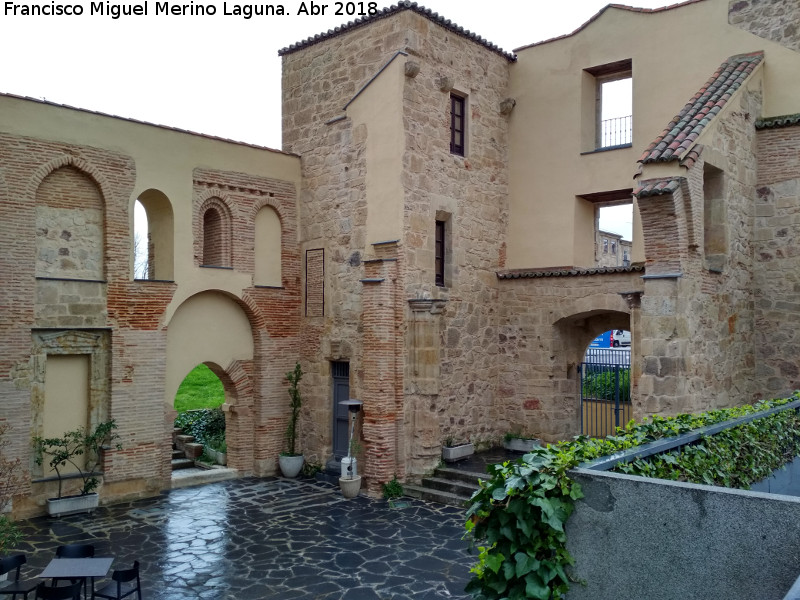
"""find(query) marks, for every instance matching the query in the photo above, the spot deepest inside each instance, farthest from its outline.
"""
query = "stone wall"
(775, 20)
(698, 315)
(467, 192)
(547, 322)
(777, 259)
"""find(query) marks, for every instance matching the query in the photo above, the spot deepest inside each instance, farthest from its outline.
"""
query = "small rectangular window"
(439, 252)
(605, 245)
(457, 124)
(613, 247)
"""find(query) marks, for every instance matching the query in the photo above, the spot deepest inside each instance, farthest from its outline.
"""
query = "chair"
(122, 584)
(74, 551)
(23, 587)
(65, 592)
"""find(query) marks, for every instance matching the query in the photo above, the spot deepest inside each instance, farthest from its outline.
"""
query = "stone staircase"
(184, 451)
(447, 485)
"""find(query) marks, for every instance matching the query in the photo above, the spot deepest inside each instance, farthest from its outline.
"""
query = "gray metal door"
(341, 391)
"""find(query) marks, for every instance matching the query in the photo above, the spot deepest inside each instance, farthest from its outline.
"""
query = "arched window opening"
(267, 248)
(153, 237)
(216, 238)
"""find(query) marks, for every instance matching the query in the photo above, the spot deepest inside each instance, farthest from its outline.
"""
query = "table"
(78, 568)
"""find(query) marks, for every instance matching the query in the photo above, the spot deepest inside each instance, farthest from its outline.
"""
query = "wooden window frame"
(458, 124)
(440, 255)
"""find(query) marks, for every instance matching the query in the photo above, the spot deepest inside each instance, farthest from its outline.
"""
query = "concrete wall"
(635, 538)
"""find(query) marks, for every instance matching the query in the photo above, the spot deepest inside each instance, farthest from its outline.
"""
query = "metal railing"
(605, 391)
(616, 132)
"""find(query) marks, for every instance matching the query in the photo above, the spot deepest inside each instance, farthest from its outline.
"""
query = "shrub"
(207, 425)
(392, 489)
(517, 517)
(602, 384)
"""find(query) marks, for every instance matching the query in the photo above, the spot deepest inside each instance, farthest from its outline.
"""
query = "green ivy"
(517, 518)
(207, 425)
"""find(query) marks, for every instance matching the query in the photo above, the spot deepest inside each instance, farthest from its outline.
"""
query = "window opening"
(440, 253)
(457, 124)
(141, 245)
(616, 113)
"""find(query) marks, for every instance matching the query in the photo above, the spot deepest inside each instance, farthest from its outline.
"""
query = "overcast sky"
(218, 74)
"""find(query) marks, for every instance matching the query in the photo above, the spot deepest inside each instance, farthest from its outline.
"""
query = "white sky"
(218, 74)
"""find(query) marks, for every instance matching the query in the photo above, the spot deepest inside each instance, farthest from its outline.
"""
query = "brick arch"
(68, 160)
(272, 203)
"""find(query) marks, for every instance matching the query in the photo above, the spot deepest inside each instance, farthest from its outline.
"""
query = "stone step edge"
(427, 494)
(438, 483)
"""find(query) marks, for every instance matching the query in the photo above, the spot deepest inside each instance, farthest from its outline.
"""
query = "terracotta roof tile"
(776, 122)
(387, 12)
(685, 128)
(604, 9)
(148, 123)
(575, 272)
(657, 187)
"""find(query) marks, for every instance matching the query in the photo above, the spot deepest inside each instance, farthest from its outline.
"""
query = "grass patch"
(200, 389)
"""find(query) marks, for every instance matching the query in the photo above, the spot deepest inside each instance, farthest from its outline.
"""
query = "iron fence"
(605, 391)
(616, 132)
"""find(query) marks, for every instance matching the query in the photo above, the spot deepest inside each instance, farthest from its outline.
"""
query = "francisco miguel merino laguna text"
(115, 11)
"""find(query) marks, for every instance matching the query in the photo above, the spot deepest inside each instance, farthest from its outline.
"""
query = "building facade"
(426, 242)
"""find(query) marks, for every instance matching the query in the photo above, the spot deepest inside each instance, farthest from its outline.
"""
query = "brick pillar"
(382, 388)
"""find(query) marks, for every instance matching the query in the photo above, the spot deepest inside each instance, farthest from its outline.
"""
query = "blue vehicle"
(604, 340)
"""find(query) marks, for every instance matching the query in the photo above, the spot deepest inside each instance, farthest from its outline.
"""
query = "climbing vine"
(516, 520)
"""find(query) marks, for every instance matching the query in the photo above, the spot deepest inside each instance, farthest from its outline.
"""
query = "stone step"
(182, 463)
(430, 495)
(176, 454)
(459, 475)
(453, 486)
(196, 476)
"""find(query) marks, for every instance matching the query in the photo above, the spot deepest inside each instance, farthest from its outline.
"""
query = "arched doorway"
(198, 403)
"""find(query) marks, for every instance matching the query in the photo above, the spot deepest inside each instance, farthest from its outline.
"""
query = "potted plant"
(81, 449)
(452, 452)
(520, 442)
(290, 461)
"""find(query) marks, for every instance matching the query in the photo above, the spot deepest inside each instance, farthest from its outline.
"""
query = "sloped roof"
(389, 11)
(147, 123)
(686, 127)
(657, 187)
(604, 9)
(778, 122)
(536, 273)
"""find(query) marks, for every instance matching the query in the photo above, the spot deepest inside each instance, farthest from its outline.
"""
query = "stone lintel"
(434, 306)
(663, 276)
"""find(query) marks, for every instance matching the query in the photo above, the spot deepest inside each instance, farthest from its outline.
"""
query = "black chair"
(74, 551)
(124, 583)
(65, 592)
(23, 587)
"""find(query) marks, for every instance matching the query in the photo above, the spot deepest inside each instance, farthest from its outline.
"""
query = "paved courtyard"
(269, 539)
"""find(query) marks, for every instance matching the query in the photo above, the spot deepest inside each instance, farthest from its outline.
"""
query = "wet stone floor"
(271, 538)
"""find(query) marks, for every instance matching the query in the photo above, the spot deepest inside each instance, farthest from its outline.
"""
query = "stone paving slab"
(265, 539)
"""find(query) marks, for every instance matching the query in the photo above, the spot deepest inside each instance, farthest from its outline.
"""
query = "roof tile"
(657, 187)
(573, 272)
(678, 137)
(389, 11)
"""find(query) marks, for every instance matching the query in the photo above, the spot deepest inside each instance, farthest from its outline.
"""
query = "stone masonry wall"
(697, 346)
(470, 193)
(777, 256)
(775, 20)
(546, 325)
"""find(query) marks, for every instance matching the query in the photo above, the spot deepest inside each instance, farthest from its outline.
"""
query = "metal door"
(340, 372)
(605, 391)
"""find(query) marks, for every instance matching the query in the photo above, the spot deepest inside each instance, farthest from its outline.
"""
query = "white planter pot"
(454, 453)
(350, 487)
(71, 505)
(290, 465)
(222, 458)
(521, 444)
